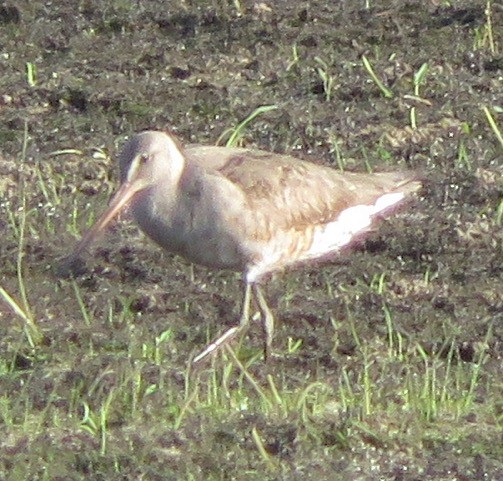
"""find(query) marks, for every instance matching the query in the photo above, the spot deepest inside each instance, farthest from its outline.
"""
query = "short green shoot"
(19, 227)
(493, 125)
(312, 400)
(463, 159)
(155, 352)
(413, 118)
(48, 190)
(249, 377)
(417, 81)
(429, 276)
(366, 160)
(6, 415)
(395, 339)
(82, 305)
(367, 383)
(89, 421)
(352, 326)
(346, 392)
(336, 149)
(484, 34)
(235, 134)
(293, 345)
(270, 462)
(22, 228)
(384, 153)
(498, 219)
(378, 283)
(31, 74)
(104, 416)
(95, 423)
(118, 316)
(419, 77)
(239, 8)
(57, 153)
(160, 340)
(276, 395)
(387, 93)
(31, 330)
(295, 58)
(326, 77)
(477, 366)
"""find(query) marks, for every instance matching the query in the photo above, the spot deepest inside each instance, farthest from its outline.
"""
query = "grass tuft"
(236, 133)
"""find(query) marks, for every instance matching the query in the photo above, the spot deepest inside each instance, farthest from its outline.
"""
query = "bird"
(246, 210)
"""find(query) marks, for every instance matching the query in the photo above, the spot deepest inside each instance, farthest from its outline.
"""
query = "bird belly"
(200, 242)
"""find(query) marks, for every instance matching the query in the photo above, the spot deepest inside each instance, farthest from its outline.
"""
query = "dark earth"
(388, 358)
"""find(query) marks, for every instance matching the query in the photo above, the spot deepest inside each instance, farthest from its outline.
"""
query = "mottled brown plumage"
(247, 210)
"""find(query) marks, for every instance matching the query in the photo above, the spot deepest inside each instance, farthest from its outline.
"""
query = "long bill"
(122, 197)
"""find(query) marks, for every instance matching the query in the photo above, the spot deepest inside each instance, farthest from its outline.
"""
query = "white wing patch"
(351, 222)
(327, 238)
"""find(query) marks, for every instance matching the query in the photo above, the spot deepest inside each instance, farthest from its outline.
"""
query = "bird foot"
(216, 344)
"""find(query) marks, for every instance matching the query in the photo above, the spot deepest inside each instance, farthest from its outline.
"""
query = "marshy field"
(388, 358)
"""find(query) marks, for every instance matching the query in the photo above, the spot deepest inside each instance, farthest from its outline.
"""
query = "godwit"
(247, 210)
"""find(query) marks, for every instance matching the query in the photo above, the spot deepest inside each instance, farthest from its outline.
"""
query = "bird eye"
(143, 158)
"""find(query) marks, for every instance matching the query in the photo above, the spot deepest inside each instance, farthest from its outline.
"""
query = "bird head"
(147, 159)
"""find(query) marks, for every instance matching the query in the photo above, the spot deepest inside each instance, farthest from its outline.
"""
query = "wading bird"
(247, 210)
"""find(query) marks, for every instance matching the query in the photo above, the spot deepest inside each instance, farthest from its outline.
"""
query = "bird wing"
(294, 194)
(213, 157)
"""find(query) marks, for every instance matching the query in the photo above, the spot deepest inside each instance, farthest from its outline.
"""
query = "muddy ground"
(389, 358)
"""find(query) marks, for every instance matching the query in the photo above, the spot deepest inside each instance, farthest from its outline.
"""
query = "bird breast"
(199, 220)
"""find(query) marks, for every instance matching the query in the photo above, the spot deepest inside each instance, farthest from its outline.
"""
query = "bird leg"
(265, 314)
(245, 313)
(267, 320)
(216, 344)
(230, 333)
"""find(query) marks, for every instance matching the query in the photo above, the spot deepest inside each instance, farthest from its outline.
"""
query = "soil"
(78, 78)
